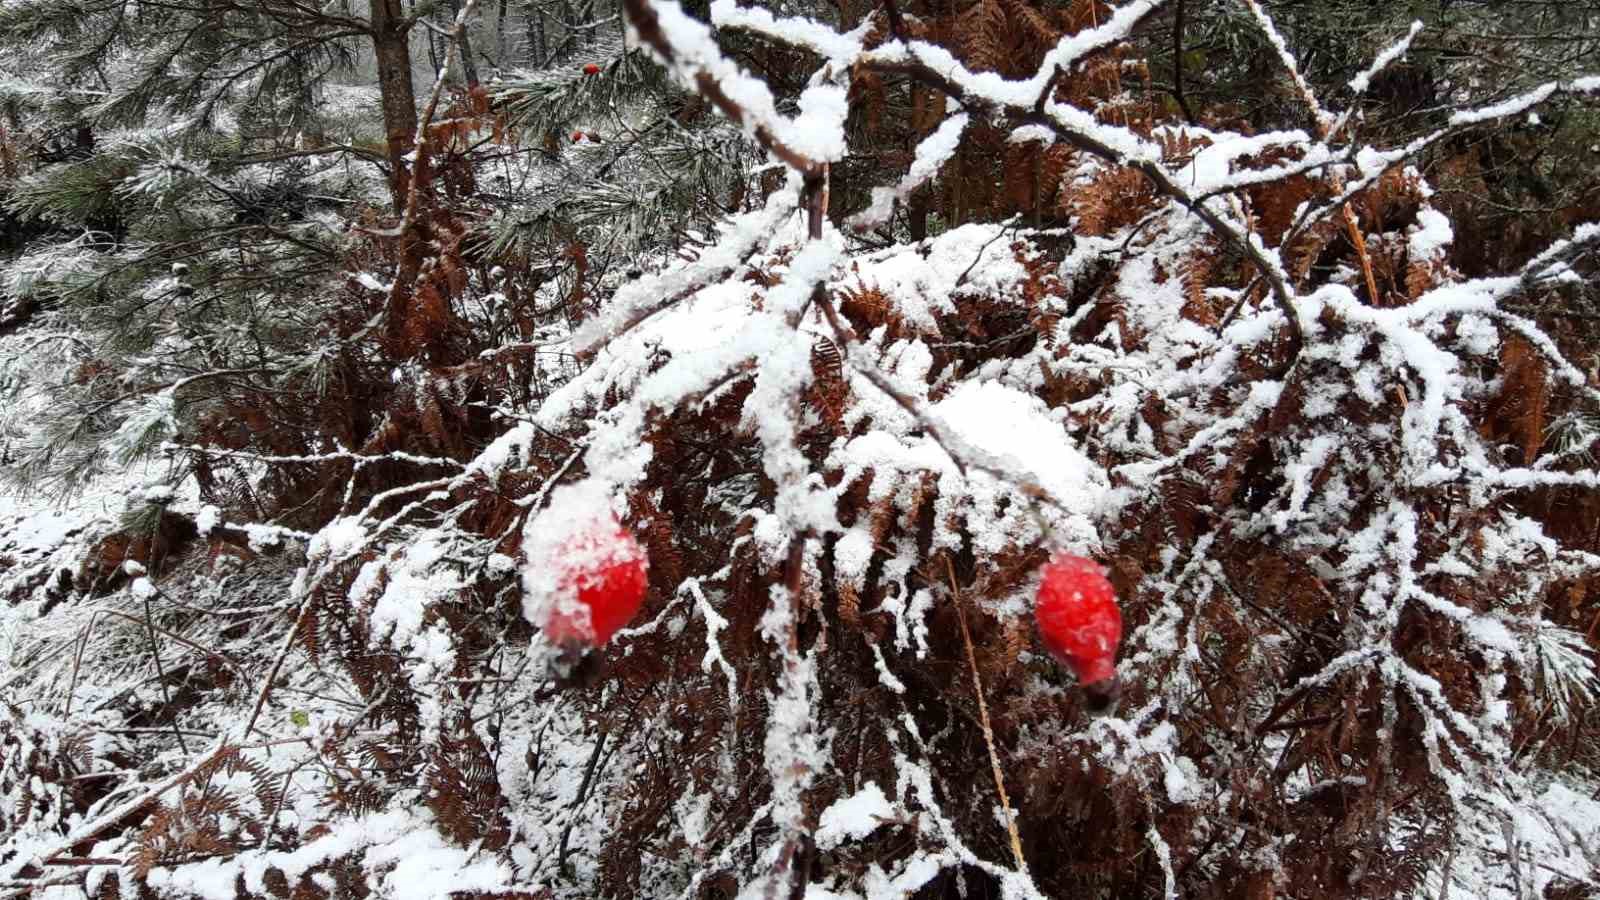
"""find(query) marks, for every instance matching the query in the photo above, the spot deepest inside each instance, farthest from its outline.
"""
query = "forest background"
(314, 318)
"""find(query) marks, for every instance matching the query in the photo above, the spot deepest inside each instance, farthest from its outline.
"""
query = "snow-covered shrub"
(1241, 369)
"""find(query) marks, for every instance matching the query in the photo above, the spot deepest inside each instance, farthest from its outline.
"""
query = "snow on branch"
(1388, 55)
(839, 49)
(937, 67)
(1373, 163)
(932, 153)
(1286, 58)
(687, 48)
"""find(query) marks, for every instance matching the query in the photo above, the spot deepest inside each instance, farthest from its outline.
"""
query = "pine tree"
(197, 229)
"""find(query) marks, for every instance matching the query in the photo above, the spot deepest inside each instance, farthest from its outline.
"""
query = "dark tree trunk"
(393, 52)
(500, 35)
(569, 28)
(433, 40)
(535, 49)
(917, 214)
(469, 69)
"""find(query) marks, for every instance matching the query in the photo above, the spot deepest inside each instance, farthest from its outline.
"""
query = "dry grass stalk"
(983, 717)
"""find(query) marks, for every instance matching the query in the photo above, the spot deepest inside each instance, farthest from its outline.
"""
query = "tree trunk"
(500, 35)
(469, 68)
(433, 40)
(569, 29)
(917, 213)
(543, 36)
(399, 100)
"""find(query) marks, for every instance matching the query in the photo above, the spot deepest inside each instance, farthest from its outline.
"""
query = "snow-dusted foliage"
(1243, 370)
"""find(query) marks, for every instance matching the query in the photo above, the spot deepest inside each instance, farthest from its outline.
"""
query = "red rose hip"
(583, 576)
(600, 587)
(1079, 619)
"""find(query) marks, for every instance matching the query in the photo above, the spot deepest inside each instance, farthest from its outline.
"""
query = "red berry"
(1078, 617)
(591, 69)
(605, 567)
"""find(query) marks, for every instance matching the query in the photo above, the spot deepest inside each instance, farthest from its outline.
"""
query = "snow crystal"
(885, 677)
(1007, 423)
(1477, 335)
(507, 449)
(921, 282)
(402, 850)
(693, 812)
(262, 537)
(932, 153)
(685, 331)
(1509, 107)
(839, 48)
(819, 129)
(426, 866)
(1031, 134)
(413, 583)
(853, 553)
(1211, 167)
(372, 283)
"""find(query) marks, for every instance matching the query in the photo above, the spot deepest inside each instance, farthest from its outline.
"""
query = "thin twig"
(577, 802)
(1326, 125)
(1000, 232)
(155, 654)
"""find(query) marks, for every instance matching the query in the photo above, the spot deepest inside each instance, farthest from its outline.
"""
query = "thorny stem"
(983, 717)
(794, 860)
